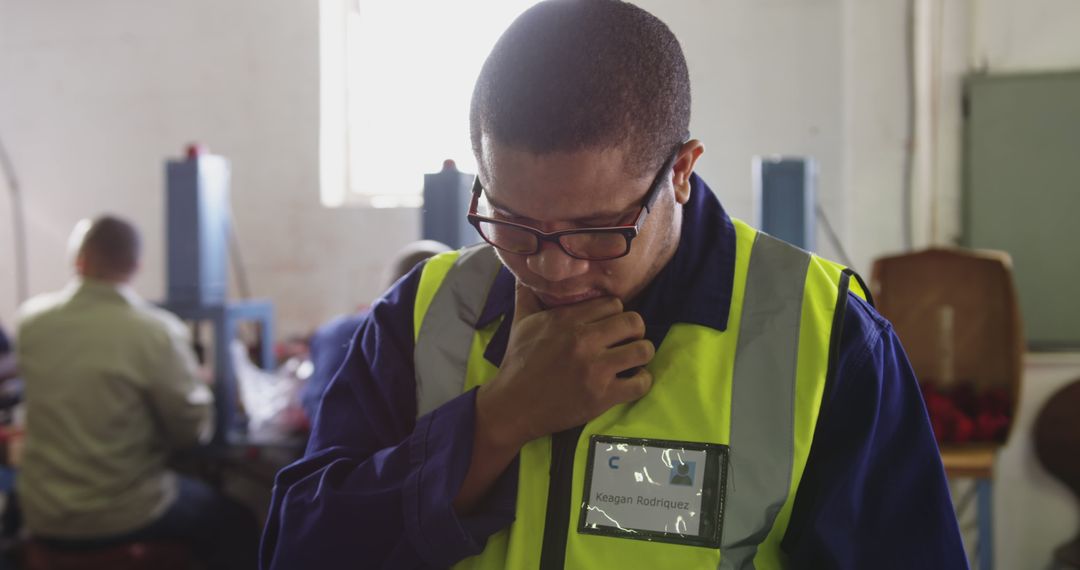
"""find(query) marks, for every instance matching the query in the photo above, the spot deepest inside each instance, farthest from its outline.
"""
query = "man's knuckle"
(634, 322)
(646, 381)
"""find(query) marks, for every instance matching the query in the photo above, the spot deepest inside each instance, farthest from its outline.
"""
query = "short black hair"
(568, 75)
(113, 244)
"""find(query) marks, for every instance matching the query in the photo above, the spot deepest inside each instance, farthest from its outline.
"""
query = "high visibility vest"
(756, 387)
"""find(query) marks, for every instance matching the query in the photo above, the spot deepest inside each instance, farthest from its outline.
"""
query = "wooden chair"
(149, 555)
(1057, 445)
(956, 313)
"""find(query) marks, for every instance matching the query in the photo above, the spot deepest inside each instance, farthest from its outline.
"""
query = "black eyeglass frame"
(629, 232)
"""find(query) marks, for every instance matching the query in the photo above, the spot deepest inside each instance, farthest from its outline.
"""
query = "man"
(534, 410)
(331, 341)
(112, 387)
(7, 357)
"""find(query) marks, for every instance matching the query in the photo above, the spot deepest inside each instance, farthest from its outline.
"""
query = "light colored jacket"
(111, 390)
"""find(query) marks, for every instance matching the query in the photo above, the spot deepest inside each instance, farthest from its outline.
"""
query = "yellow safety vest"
(755, 387)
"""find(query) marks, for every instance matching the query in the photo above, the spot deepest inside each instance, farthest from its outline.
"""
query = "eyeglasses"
(592, 244)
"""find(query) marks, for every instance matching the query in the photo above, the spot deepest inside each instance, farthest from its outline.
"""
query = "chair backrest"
(149, 555)
(956, 312)
(1057, 436)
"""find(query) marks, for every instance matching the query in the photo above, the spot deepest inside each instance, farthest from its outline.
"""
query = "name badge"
(658, 490)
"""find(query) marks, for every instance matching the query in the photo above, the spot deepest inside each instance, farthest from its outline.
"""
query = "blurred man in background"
(112, 388)
(331, 341)
(7, 357)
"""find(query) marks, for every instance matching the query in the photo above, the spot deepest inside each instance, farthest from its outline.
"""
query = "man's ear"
(80, 264)
(133, 272)
(684, 167)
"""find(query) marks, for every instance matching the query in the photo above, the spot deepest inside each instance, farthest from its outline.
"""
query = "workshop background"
(96, 96)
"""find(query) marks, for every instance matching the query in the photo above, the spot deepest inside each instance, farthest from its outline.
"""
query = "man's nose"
(553, 264)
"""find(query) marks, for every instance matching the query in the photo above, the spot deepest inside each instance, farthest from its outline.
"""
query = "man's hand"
(560, 368)
(559, 371)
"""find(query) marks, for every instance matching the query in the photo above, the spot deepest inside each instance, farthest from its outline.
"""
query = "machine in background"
(784, 198)
(198, 230)
(446, 200)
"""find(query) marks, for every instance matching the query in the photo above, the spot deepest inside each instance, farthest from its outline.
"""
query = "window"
(397, 81)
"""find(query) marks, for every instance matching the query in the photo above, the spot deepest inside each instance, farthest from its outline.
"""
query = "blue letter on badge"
(613, 462)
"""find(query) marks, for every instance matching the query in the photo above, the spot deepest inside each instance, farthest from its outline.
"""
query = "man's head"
(575, 75)
(574, 112)
(413, 253)
(109, 250)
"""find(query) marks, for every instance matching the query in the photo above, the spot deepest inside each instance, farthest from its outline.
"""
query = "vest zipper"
(560, 483)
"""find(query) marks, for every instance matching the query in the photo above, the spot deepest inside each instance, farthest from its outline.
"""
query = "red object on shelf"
(962, 415)
(963, 428)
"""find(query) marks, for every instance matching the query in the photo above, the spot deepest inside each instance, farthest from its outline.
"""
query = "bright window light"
(411, 69)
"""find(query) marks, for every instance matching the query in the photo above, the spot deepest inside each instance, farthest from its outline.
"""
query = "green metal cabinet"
(1022, 192)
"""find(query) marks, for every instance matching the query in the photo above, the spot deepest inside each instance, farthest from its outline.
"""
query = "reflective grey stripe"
(441, 354)
(763, 398)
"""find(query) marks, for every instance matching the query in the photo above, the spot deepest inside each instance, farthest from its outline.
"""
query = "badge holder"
(655, 490)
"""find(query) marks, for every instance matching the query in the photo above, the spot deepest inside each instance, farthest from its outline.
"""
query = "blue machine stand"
(224, 318)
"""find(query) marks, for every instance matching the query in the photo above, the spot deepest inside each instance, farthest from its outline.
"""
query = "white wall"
(95, 95)
(1037, 35)
(876, 95)
(768, 78)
